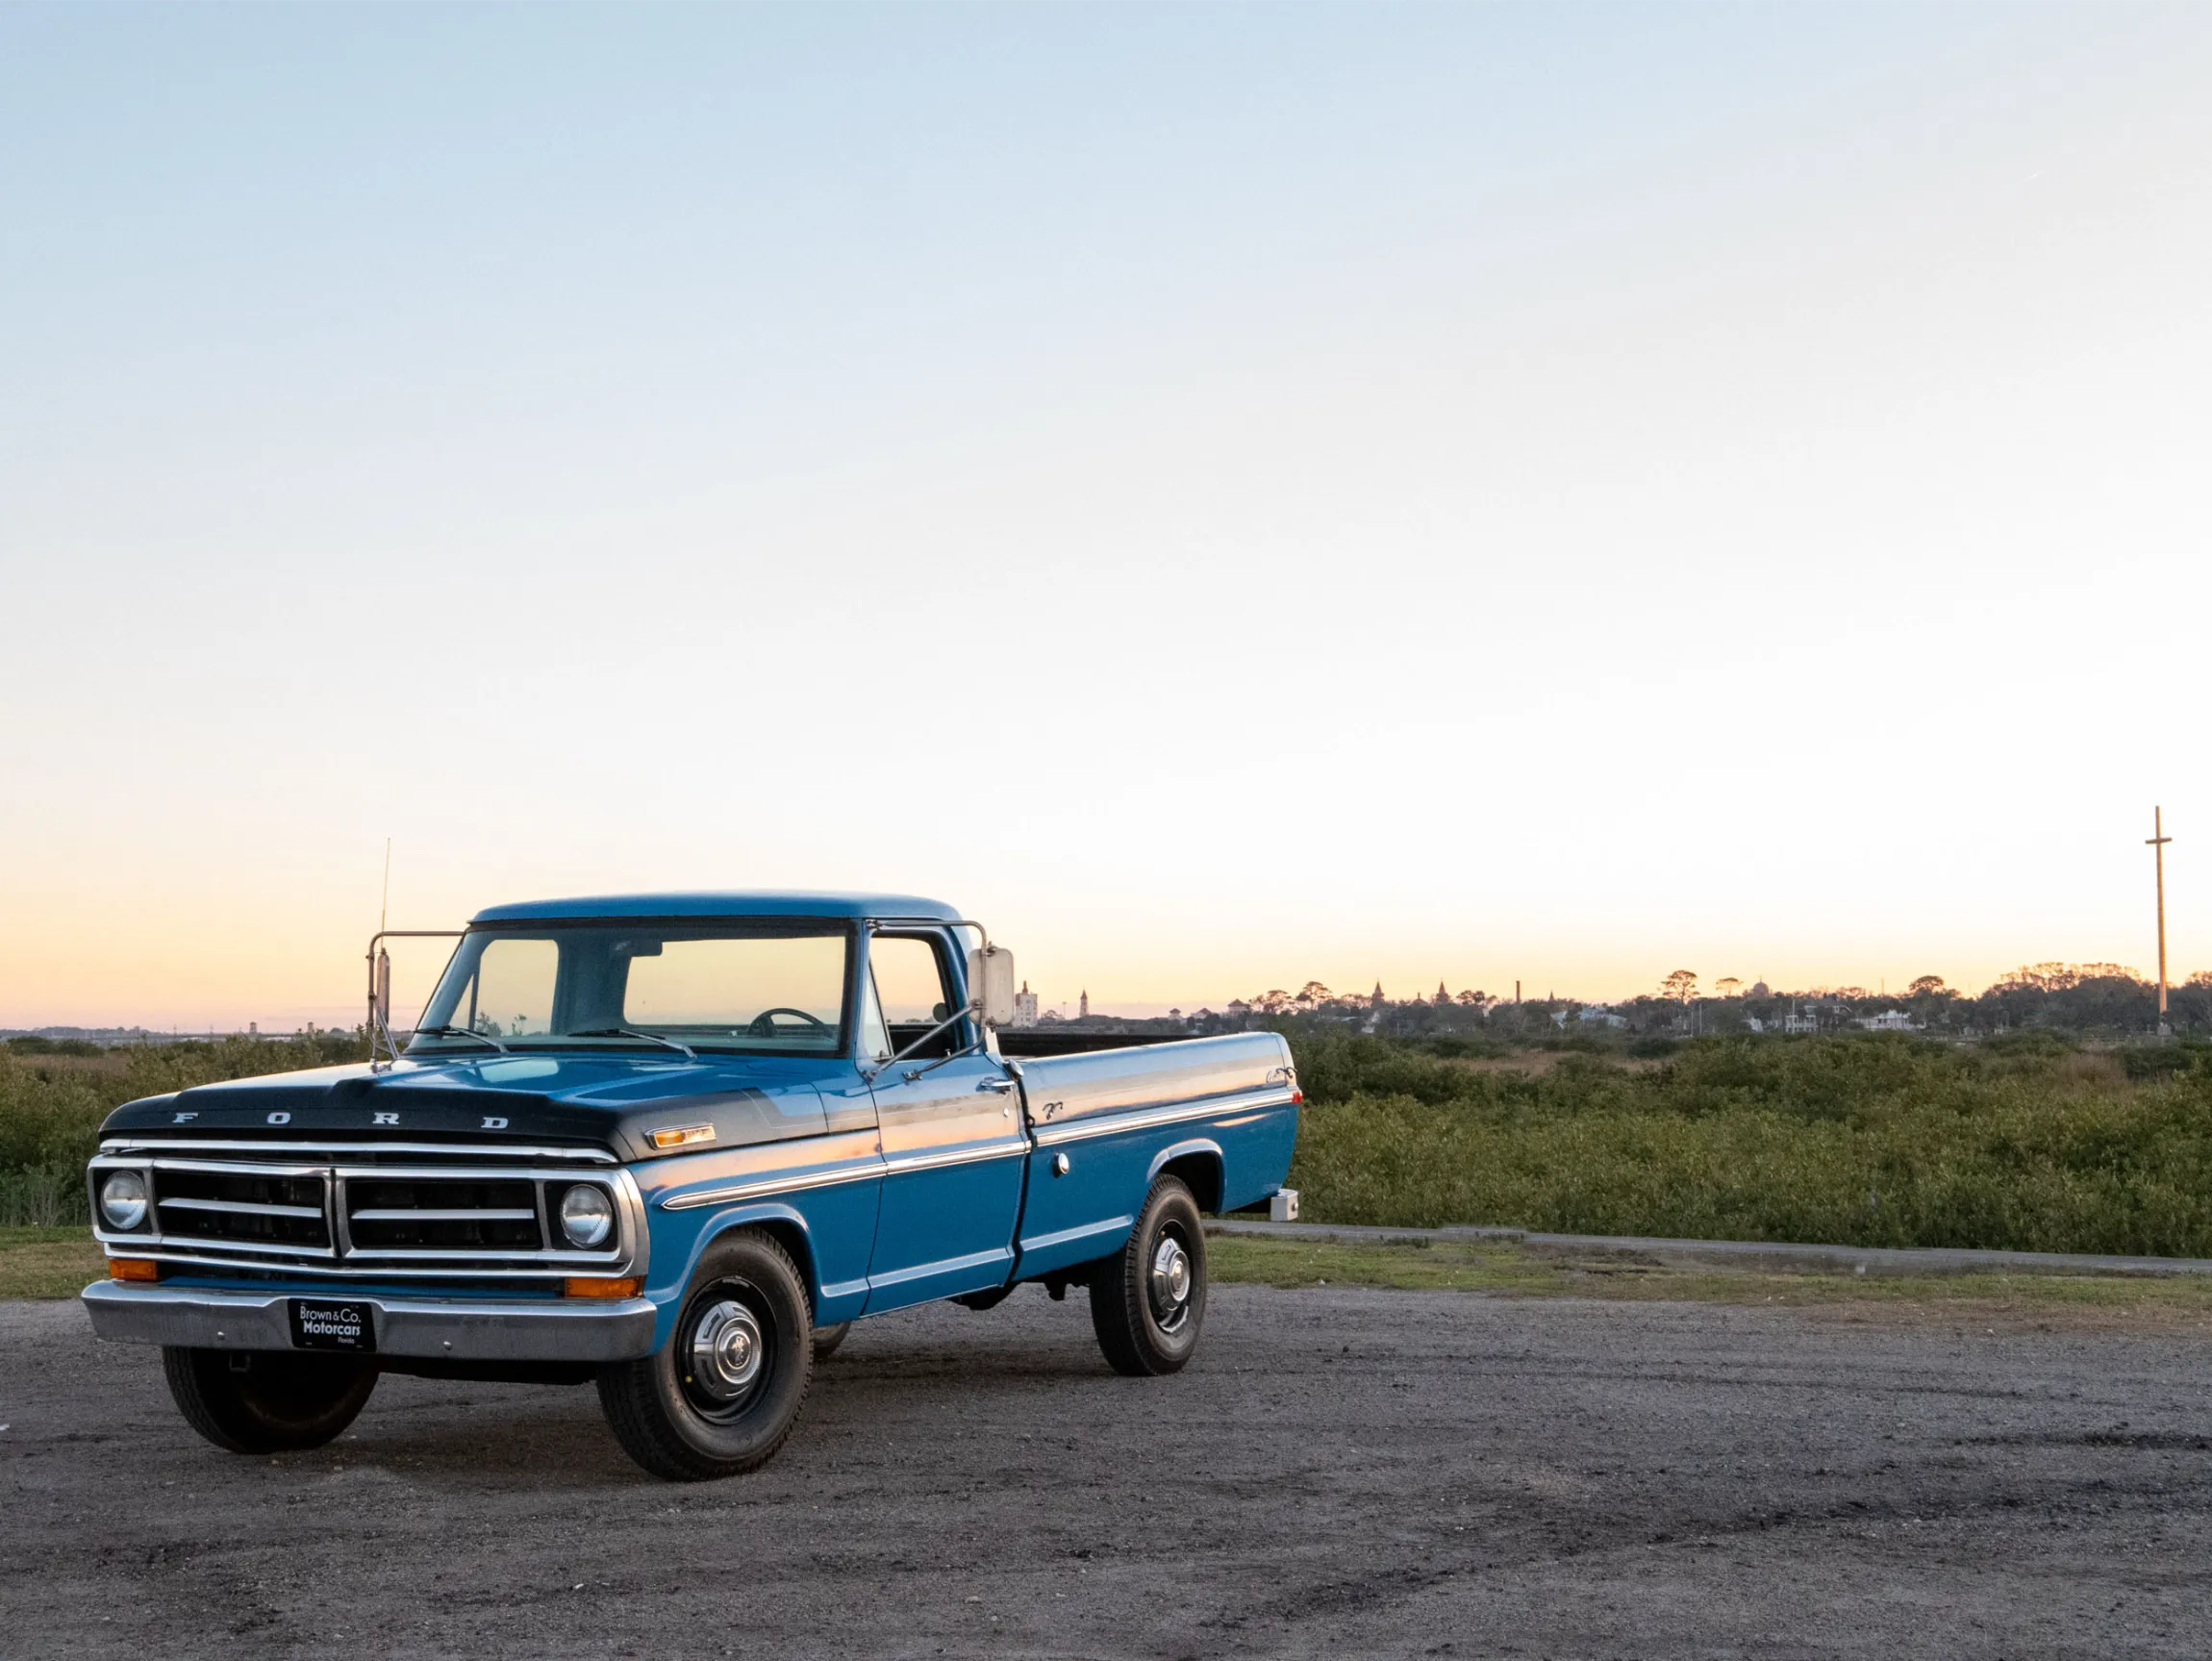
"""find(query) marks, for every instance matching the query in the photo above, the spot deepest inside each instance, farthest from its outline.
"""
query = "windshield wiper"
(461, 1032)
(633, 1032)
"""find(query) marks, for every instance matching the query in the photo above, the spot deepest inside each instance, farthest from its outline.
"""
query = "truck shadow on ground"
(534, 1437)
(515, 1437)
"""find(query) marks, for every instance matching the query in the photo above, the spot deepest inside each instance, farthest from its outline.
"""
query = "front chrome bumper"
(443, 1328)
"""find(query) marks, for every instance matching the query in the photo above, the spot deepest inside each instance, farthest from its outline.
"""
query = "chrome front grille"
(356, 1210)
(449, 1213)
(251, 1207)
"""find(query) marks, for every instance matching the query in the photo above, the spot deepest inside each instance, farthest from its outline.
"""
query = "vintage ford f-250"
(674, 1144)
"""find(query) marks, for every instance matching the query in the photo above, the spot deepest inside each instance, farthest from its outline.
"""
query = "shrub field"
(2025, 1142)
(2028, 1142)
(51, 1104)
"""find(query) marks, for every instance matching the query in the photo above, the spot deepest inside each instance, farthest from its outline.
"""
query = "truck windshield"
(744, 987)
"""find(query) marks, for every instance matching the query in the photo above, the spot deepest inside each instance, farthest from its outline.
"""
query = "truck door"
(953, 1144)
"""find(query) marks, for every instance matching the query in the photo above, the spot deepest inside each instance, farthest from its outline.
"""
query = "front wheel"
(1148, 1299)
(724, 1393)
(266, 1402)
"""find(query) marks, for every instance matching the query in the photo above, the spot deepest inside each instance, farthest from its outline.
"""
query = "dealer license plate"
(318, 1323)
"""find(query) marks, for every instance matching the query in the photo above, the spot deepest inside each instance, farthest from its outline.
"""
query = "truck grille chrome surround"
(364, 1210)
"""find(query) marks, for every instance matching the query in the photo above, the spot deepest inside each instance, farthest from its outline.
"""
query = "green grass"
(48, 1262)
(1502, 1269)
(2027, 1145)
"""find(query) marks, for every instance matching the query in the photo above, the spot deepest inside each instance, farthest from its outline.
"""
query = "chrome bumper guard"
(440, 1328)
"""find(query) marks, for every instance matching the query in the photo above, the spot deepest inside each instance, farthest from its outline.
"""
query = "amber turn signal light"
(132, 1269)
(602, 1285)
(682, 1135)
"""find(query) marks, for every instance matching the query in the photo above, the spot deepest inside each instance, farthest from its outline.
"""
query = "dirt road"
(1343, 1473)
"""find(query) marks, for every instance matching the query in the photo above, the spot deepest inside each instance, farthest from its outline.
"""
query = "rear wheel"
(266, 1402)
(1148, 1299)
(724, 1393)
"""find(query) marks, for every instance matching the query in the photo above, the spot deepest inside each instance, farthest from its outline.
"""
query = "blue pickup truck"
(674, 1144)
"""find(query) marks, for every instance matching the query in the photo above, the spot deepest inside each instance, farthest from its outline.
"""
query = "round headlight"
(123, 1199)
(587, 1215)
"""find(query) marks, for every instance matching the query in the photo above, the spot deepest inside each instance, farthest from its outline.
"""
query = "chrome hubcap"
(1170, 1283)
(726, 1351)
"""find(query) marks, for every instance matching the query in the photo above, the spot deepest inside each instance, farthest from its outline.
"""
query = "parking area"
(1343, 1473)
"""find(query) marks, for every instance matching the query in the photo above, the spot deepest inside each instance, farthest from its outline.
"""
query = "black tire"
(692, 1416)
(1143, 1327)
(267, 1400)
(828, 1337)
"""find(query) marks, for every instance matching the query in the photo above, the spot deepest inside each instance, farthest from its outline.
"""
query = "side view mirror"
(990, 984)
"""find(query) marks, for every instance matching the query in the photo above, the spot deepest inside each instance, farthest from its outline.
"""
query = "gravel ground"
(1342, 1473)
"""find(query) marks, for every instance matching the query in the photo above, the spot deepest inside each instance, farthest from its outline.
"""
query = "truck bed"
(1192, 1078)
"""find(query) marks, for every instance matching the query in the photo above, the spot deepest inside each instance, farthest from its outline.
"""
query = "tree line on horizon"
(2089, 997)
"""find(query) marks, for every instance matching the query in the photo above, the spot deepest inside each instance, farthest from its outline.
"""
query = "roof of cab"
(733, 902)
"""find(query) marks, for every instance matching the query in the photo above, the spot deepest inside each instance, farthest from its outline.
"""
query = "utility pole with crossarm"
(2157, 841)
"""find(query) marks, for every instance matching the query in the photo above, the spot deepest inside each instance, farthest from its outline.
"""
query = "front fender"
(833, 1300)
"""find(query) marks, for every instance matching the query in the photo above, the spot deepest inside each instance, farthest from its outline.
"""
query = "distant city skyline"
(1080, 1006)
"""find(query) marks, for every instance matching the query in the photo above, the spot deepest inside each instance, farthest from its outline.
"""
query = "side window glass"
(909, 980)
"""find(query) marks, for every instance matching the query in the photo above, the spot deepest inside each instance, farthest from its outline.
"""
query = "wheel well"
(793, 1240)
(1200, 1172)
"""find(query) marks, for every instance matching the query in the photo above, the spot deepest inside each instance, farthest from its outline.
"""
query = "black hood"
(590, 1100)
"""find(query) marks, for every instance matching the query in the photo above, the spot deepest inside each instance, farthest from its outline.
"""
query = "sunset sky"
(1227, 495)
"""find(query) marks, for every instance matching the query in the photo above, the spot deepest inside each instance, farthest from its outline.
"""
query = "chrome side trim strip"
(944, 1266)
(1112, 1225)
(1146, 1118)
(905, 1161)
(859, 1171)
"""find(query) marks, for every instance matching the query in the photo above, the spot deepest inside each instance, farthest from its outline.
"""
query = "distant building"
(1375, 1001)
(1024, 1006)
(1889, 1021)
(1758, 989)
(1443, 996)
(1600, 1017)
(1083, 1006)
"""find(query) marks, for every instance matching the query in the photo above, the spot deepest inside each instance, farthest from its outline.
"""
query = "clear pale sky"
(1227, 495)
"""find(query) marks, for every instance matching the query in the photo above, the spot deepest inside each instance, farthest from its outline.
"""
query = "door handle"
(999, 1085)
